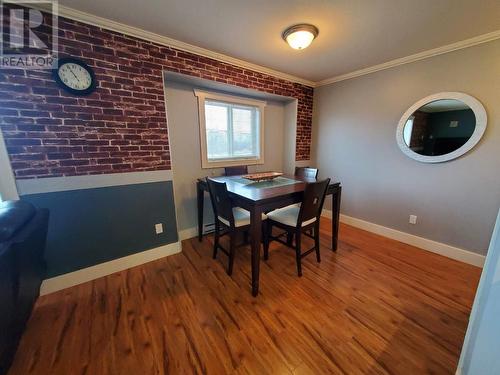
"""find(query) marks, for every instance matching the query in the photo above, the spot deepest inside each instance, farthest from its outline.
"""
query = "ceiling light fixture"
(300, 36)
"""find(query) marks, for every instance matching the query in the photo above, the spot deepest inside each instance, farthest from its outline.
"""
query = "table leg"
(200, 197)
(336, 217)
(256, 234)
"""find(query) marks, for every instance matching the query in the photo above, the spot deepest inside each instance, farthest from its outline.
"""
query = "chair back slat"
(236, 171)
(221, 202)
(312, 203)
(306, 172)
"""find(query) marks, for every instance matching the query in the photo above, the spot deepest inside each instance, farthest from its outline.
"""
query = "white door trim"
(8, 189)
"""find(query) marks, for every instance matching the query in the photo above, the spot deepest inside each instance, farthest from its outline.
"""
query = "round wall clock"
(75, 76)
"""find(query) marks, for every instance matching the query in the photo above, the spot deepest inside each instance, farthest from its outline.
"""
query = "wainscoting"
(108, 217)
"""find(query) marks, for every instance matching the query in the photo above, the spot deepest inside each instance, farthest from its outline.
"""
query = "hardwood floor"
(376, 306)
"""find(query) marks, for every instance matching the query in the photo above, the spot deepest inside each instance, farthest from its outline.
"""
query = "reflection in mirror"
(439, 127)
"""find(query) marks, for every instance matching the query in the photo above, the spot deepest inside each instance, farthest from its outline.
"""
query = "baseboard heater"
(208, 228)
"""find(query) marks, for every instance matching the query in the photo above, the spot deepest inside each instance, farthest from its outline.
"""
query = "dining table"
(262, 197)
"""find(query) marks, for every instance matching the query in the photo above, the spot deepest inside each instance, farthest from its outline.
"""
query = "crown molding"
(415, 57)
(91, 19)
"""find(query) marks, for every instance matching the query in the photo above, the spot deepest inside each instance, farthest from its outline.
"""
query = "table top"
(261, 191)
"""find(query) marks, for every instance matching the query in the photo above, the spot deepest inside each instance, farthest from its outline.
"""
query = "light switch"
(159, 228)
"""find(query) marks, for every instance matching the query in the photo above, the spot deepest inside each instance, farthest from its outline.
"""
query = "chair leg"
(316, 243)
(245, 237)
(298, 253)
(289, 239)
(266, 229)
(232, 240)
(216, 240)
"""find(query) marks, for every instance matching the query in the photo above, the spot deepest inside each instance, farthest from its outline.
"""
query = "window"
(231, 130)
(408, 130)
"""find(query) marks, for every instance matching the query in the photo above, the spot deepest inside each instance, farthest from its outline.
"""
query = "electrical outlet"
(413, 219)
(159, 228)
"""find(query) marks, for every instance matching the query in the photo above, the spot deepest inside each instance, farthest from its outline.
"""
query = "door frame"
(8, 188)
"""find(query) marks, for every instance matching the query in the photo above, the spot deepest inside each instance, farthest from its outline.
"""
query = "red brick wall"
(419, 130)
(122, 126)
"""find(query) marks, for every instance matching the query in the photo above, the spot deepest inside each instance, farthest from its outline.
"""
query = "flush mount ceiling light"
(300, 36)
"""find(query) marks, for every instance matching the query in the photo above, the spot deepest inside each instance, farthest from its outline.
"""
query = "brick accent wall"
(419, 130)
(122, 126)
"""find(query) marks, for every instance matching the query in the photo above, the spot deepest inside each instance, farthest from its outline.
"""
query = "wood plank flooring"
(376, 306)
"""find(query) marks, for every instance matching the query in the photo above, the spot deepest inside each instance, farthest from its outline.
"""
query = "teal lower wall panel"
(92, 226)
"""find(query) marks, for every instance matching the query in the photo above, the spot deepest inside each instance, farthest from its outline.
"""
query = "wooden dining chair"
(236, 171)
(229, 220)
(298, 221)
(306, 172)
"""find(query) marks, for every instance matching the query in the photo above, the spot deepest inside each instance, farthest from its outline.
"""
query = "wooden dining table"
(261, 197)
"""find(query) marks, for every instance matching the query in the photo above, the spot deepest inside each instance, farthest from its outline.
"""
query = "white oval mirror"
(441, 127)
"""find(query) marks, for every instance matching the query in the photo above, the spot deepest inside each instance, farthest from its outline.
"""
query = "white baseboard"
(410, 239)
(103, 269)
(449, 251)
(188, 233)
(192, 232)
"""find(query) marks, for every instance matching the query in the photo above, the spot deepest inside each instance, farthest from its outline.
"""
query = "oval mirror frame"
(473, 103)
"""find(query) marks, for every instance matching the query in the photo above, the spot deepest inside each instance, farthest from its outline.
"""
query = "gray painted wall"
(354, 136)
(482, 342)
(289, 137)
(184, 136)
(92, 226)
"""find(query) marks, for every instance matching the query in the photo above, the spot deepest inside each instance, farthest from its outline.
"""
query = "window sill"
(230, 163)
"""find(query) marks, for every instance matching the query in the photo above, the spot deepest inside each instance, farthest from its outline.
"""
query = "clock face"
(75, 76)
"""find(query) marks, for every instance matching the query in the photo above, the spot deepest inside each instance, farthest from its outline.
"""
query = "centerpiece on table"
(262, 176)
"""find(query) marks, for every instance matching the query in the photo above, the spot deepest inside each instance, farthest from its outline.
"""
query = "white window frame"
(8, 189)
(408, 130)
(204, 96)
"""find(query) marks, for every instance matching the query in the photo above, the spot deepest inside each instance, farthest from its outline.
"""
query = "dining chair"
(297, 221)
(229, 220)
(306, 172)
(236, 171)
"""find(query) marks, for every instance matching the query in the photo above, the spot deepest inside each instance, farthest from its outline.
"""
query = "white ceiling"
(354, 34)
